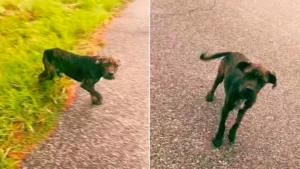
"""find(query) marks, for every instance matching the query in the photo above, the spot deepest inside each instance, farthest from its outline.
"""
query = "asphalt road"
(116, 133)
(183, 123)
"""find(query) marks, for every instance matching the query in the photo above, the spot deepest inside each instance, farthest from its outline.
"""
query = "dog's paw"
(217, 142)
(96, 101)
(209, 97)
(231, 139)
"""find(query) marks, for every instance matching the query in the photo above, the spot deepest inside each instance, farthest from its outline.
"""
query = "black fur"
(242, 82)
(85, 69)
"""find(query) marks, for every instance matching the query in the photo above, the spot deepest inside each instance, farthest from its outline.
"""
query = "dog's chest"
(240, 104)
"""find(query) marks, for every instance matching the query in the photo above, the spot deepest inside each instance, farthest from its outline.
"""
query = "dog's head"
(110, 65)
(254, 79)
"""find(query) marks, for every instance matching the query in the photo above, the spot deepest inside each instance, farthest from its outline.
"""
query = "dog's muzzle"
(109, 76)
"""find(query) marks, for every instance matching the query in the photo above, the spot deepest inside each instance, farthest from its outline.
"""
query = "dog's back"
(71, 64)
(58, 55)
(229, 60)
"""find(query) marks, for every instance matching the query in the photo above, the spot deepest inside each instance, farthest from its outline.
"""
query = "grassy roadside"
(28, 110)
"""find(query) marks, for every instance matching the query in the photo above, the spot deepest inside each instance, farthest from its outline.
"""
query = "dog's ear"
(243, 65)
(271, 76)
(118, 62)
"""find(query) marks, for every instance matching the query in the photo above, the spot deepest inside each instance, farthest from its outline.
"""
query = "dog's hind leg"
(49, 72)
(240, 115)
(59, 73)
(43, 75)
(218, 80)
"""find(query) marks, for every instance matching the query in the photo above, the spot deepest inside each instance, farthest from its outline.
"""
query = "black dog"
(85, 69)
(242, 82)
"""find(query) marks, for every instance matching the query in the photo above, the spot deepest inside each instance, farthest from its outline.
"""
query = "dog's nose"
(110, 74)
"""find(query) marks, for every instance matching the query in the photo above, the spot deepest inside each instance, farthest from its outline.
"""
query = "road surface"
(116, 133)
(183, 123)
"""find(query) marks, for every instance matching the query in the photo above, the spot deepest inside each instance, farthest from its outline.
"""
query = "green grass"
(28, 110)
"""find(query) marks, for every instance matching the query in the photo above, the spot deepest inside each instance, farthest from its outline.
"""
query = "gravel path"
(116, 133)
(183, 123)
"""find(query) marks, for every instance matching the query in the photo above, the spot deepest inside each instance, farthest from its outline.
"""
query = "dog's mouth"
(109, 77)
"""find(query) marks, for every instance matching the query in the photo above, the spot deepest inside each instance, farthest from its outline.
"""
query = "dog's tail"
(204, 57)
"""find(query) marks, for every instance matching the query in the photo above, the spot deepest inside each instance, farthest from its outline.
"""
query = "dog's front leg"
(89, 86)
(240, 115)
(218, 139)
